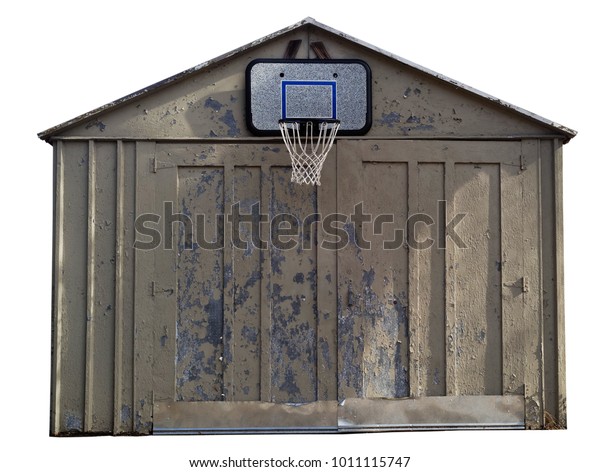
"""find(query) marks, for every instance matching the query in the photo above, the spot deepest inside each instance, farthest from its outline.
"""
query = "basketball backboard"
(301, 90)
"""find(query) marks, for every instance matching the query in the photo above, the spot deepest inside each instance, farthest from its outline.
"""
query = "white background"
(62, 58)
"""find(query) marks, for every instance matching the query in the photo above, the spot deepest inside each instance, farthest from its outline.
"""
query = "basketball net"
(307, 152)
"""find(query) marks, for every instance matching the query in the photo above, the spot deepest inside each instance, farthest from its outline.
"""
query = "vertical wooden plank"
(200, 275)
(101, 253)
(229, 346)
(430, 260)
(129, 288)
(350, 299)
(559, 277)
(415, 318)
(549, 278)
(265, 295)
(478, 300)
(512, 273)
(119, 280)
(415, 230)
(165, 288)
(71, 286)
(58, 289)
(144, 305)
(327, 285)
(534, 355)
(384, 278)
(124, 290)
(247, 281)
(450, 278)
(293, 285)
(91, 252)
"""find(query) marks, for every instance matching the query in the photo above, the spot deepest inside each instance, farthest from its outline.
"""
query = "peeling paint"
(126, 413)
(73, 422)
(250, 334)
(96, 124)
(390, 119)
(368, 278)
(213, 104)
(229, 120)
(436, 376)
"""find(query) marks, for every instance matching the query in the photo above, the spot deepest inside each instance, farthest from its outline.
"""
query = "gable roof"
(53, 131)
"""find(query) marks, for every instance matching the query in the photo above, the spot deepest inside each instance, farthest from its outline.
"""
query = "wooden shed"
(432, 299)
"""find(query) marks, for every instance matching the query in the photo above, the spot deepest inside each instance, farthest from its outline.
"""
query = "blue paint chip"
(299, 278)
(213, 104)
(73, 422)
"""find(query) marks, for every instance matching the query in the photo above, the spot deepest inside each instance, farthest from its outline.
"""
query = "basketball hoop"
(308, 155)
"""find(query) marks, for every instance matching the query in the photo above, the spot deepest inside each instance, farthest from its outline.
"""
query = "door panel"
(246, 272)
(243, 271)
(478, 280)
(200, 280)
(429, 315)
(294, 312)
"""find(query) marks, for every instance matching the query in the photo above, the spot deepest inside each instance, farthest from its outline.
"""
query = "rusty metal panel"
(430, 413)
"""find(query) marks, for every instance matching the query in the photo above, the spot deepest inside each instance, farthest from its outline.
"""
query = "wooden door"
(423, 308)
(439, 279)
(244, 297)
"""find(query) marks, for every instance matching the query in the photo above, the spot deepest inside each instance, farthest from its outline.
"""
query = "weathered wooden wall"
(132, 327)
(245, 324)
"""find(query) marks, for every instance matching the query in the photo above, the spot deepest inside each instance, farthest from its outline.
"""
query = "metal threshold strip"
(351, 415)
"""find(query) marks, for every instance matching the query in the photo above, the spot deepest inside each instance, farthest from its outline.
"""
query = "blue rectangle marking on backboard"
(308, 99)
